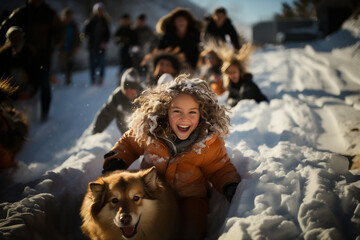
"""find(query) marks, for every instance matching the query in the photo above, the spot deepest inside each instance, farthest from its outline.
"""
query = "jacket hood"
(166, 23)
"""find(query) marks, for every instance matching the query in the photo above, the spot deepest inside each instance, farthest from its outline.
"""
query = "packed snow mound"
(289, 152)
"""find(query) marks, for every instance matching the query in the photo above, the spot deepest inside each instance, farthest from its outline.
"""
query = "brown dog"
(130, 205)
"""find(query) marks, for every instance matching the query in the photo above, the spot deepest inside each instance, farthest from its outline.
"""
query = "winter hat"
(171, 58)
(97, 6)
(166, 23)
(130, 79)
(165, 78)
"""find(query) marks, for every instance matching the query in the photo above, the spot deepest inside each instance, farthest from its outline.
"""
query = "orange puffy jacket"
(189, 173)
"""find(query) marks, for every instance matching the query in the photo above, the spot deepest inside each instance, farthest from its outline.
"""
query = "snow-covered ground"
(289, 152)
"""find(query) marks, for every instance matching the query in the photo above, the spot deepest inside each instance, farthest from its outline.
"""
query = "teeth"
(183, 126)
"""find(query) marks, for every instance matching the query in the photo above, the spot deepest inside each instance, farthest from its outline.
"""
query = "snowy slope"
(296, 183)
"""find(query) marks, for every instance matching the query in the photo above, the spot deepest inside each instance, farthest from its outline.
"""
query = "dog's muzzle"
(124, 223)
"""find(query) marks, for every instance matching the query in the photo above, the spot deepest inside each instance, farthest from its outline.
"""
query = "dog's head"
(124, 198)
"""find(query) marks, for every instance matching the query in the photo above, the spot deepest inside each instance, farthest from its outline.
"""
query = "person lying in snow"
(179, 129)
(119, 104)
(238, 81)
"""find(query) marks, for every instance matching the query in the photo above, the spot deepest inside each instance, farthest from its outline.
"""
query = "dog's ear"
(97, 188)
(98, 195)
(151, 181)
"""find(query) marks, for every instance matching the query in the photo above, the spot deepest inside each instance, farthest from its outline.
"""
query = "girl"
(179, 128)
(238, 81)
(180, 29)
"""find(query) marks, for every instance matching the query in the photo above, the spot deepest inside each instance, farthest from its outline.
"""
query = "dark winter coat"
(145, 38)
(244, 89)
(97, 31)
(71, 37)
(118, 105)
(125, 37)
(219, 33)
(188, 45)
(41, 25)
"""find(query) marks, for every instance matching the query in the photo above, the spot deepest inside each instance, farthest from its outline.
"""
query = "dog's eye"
(136, 198)
(114, 200)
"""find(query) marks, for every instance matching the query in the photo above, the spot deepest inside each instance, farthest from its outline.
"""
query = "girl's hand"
(114, 163)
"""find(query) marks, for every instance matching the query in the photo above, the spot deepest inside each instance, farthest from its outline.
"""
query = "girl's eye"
(136, 198)
(114, 200)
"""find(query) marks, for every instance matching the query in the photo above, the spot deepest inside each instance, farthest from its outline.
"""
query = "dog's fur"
(130, 205)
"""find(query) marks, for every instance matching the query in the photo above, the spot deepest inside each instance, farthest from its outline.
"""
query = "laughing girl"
(179, 129)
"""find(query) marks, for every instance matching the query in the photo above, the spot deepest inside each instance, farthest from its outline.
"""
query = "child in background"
(237, 79)
(119, 104)
(163, 63)
(69, 45)
(179, 129)
(209, 66)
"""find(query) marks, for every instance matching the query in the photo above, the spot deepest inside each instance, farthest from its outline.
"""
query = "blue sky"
(246, 12)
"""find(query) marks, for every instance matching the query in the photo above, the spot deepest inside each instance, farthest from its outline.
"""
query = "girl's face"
(164, 66)
(184, 115)
(233, 73)
(210, 59)
(181, 23)
(130, 93)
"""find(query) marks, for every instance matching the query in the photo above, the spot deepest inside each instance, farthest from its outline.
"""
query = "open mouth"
(130, 231)
(183, 128)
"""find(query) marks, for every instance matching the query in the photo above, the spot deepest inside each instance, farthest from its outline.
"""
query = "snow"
(289, 152)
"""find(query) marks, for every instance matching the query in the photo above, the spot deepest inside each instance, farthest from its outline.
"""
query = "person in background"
(238, 81)
(209, 67)
(146, 40)
(16, 64)
(219, 25)
(98, 34)
(125, 38)
(119, 104)
(179, 128)
(180, 29)
(69, 44)
(43, 31)
(163, 63)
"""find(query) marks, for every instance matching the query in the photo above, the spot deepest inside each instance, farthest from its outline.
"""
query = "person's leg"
(92, 61)
(193, 212)
(45, 88)
(101, 66)
(69, 66)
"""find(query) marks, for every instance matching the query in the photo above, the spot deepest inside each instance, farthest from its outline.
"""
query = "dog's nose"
(125, 219)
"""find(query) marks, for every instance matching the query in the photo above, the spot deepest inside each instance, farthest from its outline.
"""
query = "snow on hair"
(151, 117)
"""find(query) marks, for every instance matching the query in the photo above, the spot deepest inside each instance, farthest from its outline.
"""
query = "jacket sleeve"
(234, 36)
(105, 115)
(217, 166)
(126, 149)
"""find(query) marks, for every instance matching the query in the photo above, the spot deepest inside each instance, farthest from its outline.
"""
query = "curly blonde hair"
(151, 117)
